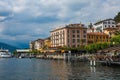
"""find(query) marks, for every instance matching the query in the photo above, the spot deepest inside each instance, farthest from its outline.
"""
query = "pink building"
(72, 35)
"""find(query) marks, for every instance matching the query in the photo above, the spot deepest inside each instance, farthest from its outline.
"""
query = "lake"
(39, 69)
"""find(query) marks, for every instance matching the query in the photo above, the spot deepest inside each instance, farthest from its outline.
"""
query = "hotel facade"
(72, 35)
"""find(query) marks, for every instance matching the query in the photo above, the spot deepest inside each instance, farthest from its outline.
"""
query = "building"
(101, 25)
(37, 44)
(110, 31)
(113, 31)
(31, 44)
(118, 25)
(95, 37)
(90, 30)
(72, 35)
(47, 42)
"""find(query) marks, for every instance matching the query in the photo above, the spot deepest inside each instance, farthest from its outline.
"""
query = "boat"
(20, 57)
(5, 54)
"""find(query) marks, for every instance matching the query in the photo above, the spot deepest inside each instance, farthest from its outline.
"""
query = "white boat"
(5, 54)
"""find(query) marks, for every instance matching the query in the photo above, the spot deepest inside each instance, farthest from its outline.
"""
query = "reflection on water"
(37, 69)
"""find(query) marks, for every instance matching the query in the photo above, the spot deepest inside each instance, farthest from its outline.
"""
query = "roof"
(22, 50)
(111, 49)
(103, 21)
(71, 26)
(118, 25)
(38, 40)
(97, 33)
(48, 38)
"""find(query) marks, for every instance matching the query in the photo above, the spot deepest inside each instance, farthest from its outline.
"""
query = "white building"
(101, 25)
(37, 44)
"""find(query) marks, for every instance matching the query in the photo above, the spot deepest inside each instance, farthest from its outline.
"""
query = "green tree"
(15, 53)
(117, 18)
(115, 39)
(94, 47)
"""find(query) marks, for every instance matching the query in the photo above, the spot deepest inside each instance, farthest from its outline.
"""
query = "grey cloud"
(26, 20)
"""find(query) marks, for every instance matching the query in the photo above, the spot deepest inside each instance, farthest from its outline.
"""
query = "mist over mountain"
(7, 46)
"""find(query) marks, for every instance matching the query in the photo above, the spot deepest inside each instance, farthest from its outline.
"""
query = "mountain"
(7, 46)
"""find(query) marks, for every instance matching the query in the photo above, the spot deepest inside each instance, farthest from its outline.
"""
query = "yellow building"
(47, 42)
(95, 37)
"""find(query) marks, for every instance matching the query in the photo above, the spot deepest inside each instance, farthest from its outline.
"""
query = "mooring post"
(92, 61)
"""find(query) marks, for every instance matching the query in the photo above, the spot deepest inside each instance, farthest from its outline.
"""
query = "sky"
(22, 21)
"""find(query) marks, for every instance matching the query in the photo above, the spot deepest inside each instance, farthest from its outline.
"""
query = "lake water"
(38, 69)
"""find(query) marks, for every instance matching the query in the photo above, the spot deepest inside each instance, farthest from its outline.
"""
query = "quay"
(109, 56)
(68, 56)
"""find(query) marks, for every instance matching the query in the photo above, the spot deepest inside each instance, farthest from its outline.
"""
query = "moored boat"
(5, 54)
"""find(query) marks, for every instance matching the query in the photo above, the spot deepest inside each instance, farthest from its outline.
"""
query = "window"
(68, 31)
(78, 36)
(97, 37)
(78, 45)
(73, 40)
(84, 36)
(105, 26)
(84, 31)
(68, 36)
(73, 45)
(73, 36)
(73, 31)
(89, 37)
(84, 40)
(78, 31)
(108, 22)
(113, 22)
(78, 40)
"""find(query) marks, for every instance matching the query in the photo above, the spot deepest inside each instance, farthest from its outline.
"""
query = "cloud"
(24, 20)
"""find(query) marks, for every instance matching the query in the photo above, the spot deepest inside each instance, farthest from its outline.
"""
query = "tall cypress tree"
(117, 18)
